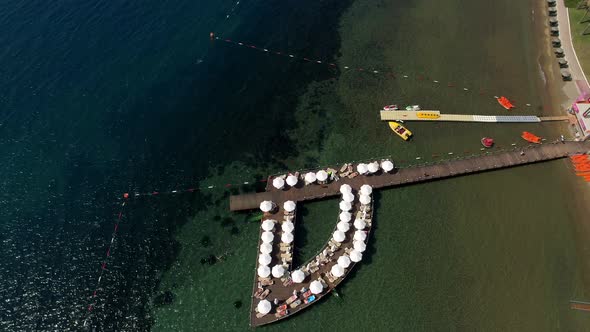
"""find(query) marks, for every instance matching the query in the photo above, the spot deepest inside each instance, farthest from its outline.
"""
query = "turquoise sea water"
(101, 98)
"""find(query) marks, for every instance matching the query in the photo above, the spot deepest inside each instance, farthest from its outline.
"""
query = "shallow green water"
(494, 251)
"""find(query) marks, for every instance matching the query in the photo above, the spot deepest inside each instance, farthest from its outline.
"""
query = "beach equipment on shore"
(264, 307)
(345, 216)
(287, 237)
(345, 206)
(297, 276)
(373, 167)
(348, 197)
(366, 189)
(266, 248)
(362, 168)
(344, 261)
(316, 287)
(360, 224)
(267, 237)
(337, 271)
(338, 236)
(289, 206)
(387, 165)
(268, 225)
(310, 177)
(345, 188)
(321, 175)
(359, 246)
(288, 226)
(343, 226)
(278, 183)
(360, 236)
(364, 199)
(266, 206)
(292, 180)
(278, 271)
(263, 271)
(356, 256)
(264, 259)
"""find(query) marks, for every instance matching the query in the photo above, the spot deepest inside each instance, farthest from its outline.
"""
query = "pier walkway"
(486, 162)
(437, 116)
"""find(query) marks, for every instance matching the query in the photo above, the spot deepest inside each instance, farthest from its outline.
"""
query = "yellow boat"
(400, 130)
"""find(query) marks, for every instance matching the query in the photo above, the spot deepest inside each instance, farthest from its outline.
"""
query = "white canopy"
(288, 226)
(337, 271)
(266, 248)
(366, 189)
(278, 271)
(321, 175)
(344, 261)
(362, 168)
(387, 165)
(266, 206)
(268, 225)
(264, 307)
(278, 183)
(289, 206)
(360, 224)
(345, 188)
(373, 167)
(359, 246)
(310, 177)
(287, 237)
(339, 236)
(267, 237)
(345, 206)
(343, 226)
(365, 199)
(360, 236)
(264, 259)
(297, 276)
(356, 256)
(316, 287)
(345, 216)
(348, 197)
(292, 180)
(263, 271)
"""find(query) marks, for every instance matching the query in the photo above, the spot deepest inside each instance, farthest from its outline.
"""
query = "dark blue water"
(98, 98)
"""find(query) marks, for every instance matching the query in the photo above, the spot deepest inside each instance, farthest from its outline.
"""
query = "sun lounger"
(295, 304)
(264, 294)
(258, 292)
(291, 299)
(313, 269)
(267, 282)
(343, 168)
(309, 299)
(306, 294)
(353, 175)
(345, 174)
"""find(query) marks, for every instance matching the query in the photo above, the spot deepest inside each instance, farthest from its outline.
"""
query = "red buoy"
(126, 195)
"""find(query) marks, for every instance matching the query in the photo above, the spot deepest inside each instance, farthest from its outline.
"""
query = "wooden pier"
(481, 163)
(289, 297)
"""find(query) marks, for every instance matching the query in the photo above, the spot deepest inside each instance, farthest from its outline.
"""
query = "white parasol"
(345, 206)
(366, 189)
(344, 261)
(288, 226)
(316, 287)
(321, 175)
(373, 167)
(266, 248)
(264, 307)
(310, 177)
(343, 226)
(356, 256)
(348, 197)
(360, 236)
(337, 271)
(278, 271)
(362, 168)
(297, 276)
(359, 246)
(266, 206)
(289, 206)
(360, 224)
(264, 259)
(267, 237)
(287, 237)
(278, 183)
(345, 188)
(345, 216)
(292, 180)
(268, 225)
(263, 271)
(338, 236)
(365, 200)
(387, 165)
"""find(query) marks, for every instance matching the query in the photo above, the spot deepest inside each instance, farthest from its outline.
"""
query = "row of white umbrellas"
(374, 166)
(267, 206)
(277, 271)
(279, 182)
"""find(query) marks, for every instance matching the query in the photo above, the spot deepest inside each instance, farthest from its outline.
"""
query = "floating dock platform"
(432, 115)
